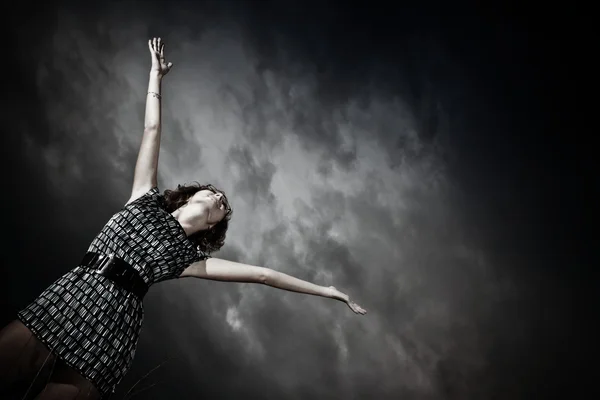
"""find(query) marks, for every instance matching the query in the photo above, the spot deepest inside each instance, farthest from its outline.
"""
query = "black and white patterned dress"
(90, 323)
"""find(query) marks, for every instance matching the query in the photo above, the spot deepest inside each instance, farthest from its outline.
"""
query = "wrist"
(154, 73)
(335, 294)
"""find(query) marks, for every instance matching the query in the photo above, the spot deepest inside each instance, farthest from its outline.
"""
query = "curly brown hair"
(209, 240)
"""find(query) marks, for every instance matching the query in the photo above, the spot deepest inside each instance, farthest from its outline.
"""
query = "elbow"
(265, 276)
(151, 128)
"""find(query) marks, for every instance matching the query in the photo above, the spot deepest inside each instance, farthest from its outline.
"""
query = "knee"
(66, 391)
(58, 391)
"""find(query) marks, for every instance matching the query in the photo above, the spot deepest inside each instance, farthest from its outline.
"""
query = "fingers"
(156, 45)
(357, 309)
(360, 311)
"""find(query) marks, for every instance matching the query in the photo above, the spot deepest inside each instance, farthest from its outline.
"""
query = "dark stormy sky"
(430, 162)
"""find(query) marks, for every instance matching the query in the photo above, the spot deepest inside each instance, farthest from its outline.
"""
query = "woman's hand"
(157, 52)
(336, 294)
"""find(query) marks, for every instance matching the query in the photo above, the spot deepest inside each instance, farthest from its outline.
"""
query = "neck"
(192, 219)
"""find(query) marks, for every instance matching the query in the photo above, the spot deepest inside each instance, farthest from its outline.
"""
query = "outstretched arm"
(223, 270)
(146, 167)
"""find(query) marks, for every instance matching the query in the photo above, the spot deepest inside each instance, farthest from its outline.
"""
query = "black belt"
(116, 270)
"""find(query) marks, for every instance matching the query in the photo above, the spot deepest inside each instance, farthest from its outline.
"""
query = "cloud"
(343, 191)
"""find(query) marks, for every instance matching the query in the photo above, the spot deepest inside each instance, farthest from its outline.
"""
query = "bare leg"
(67, 384)
(28, 368)
(24, 361)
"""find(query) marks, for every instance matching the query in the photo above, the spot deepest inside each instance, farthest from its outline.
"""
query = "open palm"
(157, 52)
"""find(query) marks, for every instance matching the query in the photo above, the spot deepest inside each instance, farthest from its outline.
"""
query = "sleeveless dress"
(90, 323)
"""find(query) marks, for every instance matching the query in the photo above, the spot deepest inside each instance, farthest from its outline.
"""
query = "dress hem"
(52, 350)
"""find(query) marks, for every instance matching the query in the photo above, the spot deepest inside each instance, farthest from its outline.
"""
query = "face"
(216, 204)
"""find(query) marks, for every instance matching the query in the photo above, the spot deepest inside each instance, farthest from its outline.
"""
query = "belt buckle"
(105, 262)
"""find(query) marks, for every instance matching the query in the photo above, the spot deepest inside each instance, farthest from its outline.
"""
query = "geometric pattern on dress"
(89, 322)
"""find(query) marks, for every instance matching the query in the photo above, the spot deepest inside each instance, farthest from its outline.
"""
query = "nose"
(218, 196)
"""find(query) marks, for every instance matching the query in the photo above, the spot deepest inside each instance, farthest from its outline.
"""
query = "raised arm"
(223, 270)
(146, 167)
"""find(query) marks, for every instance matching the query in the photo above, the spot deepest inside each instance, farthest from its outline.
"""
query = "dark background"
(513, 139)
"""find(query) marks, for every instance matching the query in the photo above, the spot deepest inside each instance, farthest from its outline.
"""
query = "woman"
(78, 338)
